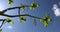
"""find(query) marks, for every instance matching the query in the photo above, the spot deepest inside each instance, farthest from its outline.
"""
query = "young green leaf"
(6, 20)
(23, 19)
(31, 8)
(41, 20)
(22, 7)
(45, 24)
(10, 2)
(9, 21)
(46, 17)
(49, 19)
(34, 5)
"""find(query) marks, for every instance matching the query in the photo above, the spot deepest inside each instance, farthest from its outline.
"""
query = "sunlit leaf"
(35, 22)
(10, 2)
(31, 8)
(46, 17)
(49, 19)
(0, 29)
(46, 20)
(6, 20)
(34, 5)
(45, 24)
(23, 7)
(41, 20)
(23, 19)
(9, 21)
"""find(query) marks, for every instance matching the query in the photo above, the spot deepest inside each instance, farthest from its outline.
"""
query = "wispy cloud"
(9, 27)
(56, 10)
(59, 3)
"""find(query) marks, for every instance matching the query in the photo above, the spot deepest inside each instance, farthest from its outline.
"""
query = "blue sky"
(46, 7)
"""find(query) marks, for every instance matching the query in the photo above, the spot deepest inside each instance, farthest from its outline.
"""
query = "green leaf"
(34, 5)
(23, 7)
(41, 20)
(6, 20)
(9, 21)
(46, 16)
(35, 22)
(23, 19)
(0, 29)
(45, 24)
(49, 19)
(31, 8)
(10, 2)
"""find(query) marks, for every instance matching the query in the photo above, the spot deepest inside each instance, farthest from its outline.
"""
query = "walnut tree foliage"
(46, 19)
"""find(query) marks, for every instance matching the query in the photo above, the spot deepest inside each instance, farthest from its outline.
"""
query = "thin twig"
(19, 12)
(2, 24)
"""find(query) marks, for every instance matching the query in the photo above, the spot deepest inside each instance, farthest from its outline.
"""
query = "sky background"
(46, 7)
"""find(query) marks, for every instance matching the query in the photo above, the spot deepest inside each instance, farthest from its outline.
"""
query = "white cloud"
(9, 27)
(56, 10)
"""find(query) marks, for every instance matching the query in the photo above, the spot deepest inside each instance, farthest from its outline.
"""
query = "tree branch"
(1, 19)
(20, 15)
(3, 11)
